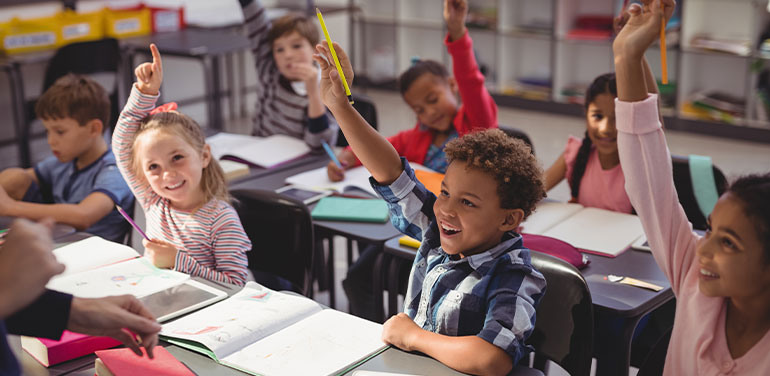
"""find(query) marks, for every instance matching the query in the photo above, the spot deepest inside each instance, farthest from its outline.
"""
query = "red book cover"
(70, 346)
(123, 362)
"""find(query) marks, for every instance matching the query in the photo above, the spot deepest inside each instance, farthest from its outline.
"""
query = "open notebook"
(265, 332)
(266, 152)
(592, 230)
(357, 177)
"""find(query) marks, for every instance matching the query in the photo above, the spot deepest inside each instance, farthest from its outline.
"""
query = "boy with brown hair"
(80, 184)
(288, 97)
(472, 291)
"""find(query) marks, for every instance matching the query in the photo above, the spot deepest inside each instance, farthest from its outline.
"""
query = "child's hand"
(455, 12)
(160, 253)
(347, 159)
(400, 331)
(642, 28)
(332, 91)
(307, 72)
(149, 76)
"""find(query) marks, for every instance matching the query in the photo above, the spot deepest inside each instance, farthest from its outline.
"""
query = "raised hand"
(642, 27)
(455, 13)
(332, 91)
(149, 76)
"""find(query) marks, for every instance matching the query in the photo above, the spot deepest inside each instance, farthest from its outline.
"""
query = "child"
(722, 280)
(432, 94)
(181, 188)
(80, 184)
(472, 291)
(288, 100)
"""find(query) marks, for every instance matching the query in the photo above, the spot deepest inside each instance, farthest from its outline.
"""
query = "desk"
(207, 45)
(58, 232)
(628, 303)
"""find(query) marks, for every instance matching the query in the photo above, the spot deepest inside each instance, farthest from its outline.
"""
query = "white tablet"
(180, 299)
(307, 196)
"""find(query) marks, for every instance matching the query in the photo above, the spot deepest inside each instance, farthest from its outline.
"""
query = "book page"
(253, 313)
(599, 230)
(138, 277)
(262, 151)
(323, 344)
(318, 180)
(92, 253)
(546, 215)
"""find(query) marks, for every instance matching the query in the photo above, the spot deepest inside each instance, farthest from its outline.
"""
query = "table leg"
(19, 114)
(330, 280)
(394, 270)
(380, 262)
(614, 358)
(210, 73)
(231, 92)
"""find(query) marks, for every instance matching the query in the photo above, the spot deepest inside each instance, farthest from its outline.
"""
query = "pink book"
(71, 345)
(123, 362)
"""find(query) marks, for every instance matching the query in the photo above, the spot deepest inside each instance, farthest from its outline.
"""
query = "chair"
(564, 328)
(656, 359)
(517, 133)
(684, 189)
(281, 234)
(368, 111)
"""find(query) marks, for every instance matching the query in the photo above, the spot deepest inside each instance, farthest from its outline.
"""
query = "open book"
(96, 267)
(265, 332)
(592, 230)
(266, 152)
(357, 177)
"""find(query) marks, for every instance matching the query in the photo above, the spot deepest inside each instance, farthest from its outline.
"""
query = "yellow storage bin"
(19, 36)
(126, 22)
(80, 27)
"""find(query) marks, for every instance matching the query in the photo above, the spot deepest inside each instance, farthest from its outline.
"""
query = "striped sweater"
(279, 110)
(211, 240)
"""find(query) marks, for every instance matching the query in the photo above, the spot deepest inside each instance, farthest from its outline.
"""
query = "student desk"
(207, 45)
(59, 231)
(627, 303)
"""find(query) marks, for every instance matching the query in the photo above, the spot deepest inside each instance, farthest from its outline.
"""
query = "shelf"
(530, 33)
(701, 51)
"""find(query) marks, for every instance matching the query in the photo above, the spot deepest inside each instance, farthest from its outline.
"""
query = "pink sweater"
(599, 188)
(698, 344)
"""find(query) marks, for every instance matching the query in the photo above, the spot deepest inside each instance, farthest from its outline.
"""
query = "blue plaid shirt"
(492, 294)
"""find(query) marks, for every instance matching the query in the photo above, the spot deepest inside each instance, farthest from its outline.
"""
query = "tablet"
(180, 299)
(307, 196)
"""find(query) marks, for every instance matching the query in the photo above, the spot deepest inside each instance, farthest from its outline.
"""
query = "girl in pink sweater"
(722, 280)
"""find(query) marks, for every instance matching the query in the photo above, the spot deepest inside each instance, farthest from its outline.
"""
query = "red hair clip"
(170, 106)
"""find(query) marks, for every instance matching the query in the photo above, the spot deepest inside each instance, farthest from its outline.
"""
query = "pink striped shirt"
(211, 240)
(698, 343)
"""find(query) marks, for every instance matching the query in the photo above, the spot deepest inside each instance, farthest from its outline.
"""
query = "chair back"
(281, 234)
(365, 106)
(564, 328)
(656, 359)
(684, 189)
(518, 133)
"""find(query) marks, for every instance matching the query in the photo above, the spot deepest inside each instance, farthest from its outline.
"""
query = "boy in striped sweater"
(164, 158)
(288, 97)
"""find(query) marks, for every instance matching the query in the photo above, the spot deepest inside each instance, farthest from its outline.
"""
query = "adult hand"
(117, 317)
(160, 253)
(26, 264)
(149, 76)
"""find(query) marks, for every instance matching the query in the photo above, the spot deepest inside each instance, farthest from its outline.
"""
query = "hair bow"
(170, 106)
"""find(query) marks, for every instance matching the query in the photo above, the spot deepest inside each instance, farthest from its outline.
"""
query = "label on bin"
(44, 38)
(128, 25)
(167, 20)
(76, 30)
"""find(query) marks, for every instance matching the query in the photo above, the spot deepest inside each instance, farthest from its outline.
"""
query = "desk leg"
(232, 92)
(212, 84)
(330, 280)
(20, 116)
(394, 271)
(616, 357)
(379, 264)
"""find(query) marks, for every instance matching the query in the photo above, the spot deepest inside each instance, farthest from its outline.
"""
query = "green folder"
(350, 209)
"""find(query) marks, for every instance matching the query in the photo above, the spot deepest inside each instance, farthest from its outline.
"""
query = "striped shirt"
(492, 294)
(211, 240)
(279, 110)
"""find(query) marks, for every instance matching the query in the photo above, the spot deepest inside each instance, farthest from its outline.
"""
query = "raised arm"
(141, 101)
(642, 145)
(374, 151)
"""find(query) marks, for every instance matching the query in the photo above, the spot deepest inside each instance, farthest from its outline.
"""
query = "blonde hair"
(213, 182)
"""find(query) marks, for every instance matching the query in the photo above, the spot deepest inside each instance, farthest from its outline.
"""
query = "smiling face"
(172, 167)
(468, 211)
(601, 124)
(730, 257)
(289, 49)
(434, 101)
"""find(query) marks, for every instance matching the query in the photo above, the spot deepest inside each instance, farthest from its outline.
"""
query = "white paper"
(317, 179)
(246, 317)
(91, 253)
(262, 151)
(322, 344)
(548, 214)
(599, 230)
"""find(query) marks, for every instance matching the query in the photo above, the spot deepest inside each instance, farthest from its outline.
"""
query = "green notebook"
(351, 209)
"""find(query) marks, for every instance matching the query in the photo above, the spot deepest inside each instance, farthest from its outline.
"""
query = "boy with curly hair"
(472, 290)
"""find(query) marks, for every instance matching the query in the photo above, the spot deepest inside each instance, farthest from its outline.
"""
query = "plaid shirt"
(492, 294)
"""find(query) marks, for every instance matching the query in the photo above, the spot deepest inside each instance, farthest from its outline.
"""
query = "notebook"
(70, 346)
(350, 209)
(357, 177)
(591, 230)
(265, 332)
(233, 169)
(266, 152)
(123, 362)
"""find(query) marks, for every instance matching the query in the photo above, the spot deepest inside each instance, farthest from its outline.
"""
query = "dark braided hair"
(754, 191)
(604, 84)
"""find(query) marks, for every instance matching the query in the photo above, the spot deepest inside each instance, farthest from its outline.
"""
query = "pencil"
(334, 55)
(663, 65)
(331, 154)
(131, 221)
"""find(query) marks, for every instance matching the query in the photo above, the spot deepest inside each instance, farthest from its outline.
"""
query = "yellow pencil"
(663, 65)
(334, 55)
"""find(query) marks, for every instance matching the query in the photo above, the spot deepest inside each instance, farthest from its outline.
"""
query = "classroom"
(218, 188)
